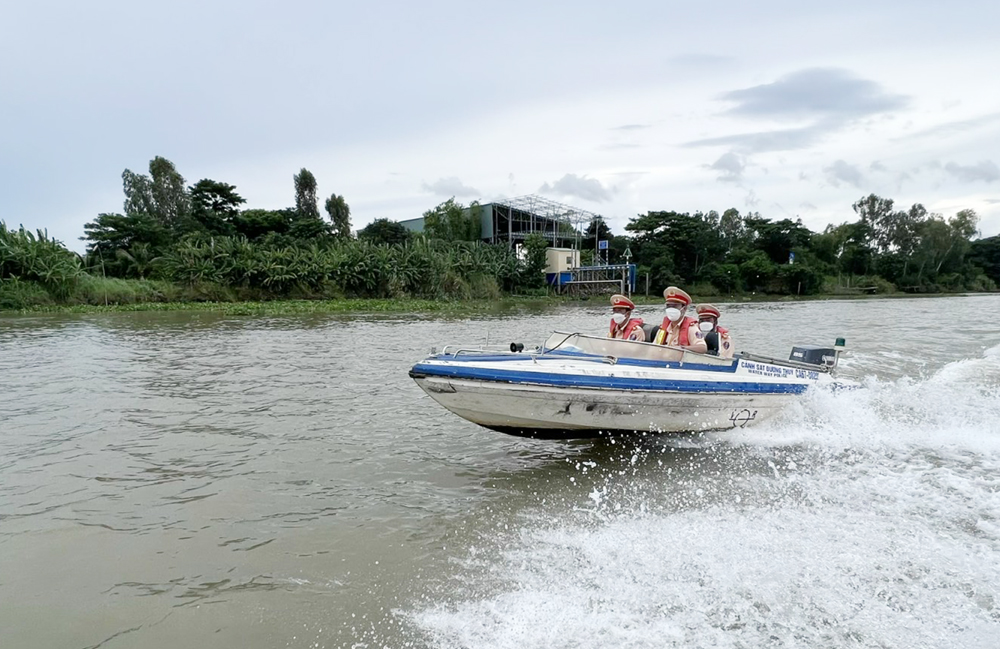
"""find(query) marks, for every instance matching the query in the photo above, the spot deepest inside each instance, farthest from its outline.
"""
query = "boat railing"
(534, 354)
(455, 350)
(617, 348)
(609, 350)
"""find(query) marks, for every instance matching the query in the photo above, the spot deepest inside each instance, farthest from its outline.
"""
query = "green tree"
(256, 224)
(732, 229)
(384, 231)
(534, 262)
(451, 221)
(109, 233)
(676, 247)
(340, 216)
(597, 230)
(758, 272)
(137, 261)
(985, 253)
(307, 224)
(877, 215)
(777, 239)
(170, 197)
(214, 207)
(38, 258)
(306, 202)
(161, 195)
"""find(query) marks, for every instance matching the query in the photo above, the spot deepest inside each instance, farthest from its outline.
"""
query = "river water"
(197, 480)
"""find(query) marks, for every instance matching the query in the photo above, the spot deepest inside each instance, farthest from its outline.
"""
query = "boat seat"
(650, 330)
(712, 341)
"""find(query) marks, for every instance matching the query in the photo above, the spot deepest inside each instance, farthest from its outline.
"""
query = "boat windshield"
(625, 349)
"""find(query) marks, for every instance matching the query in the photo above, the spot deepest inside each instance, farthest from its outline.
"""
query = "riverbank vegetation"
(176, 244)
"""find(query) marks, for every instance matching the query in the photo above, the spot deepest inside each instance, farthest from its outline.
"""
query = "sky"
(781, 108)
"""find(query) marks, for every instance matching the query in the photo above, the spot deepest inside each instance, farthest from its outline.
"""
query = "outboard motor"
(818, 355)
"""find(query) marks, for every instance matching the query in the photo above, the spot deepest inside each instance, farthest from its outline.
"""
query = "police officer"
(623, 325)
(677, 330)
(720, 342)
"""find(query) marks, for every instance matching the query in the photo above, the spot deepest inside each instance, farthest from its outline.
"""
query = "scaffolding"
(512, 220)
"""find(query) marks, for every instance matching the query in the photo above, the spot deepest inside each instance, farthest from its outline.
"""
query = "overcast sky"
(616, 108)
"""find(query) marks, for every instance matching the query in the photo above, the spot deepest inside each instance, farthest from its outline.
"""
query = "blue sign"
(602, 245)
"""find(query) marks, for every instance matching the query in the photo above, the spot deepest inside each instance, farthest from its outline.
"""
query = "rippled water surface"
(193, 480)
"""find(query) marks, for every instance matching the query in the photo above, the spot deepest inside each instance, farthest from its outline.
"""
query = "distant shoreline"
(403, 306)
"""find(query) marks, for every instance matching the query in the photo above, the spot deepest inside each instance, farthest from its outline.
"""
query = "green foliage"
(361, 268)
(109, 233)
(985, 254)
(340, 216)
(17, 294)
(112, 290)
(597, 230)
(758, 272)
(257, 224)
(214, 206)
(533, 270)
(451, 221)
(676, 247)
(726, 277)
(306, 224)
(385, 231)
(160, 196)
(38, 258)
(305, 195)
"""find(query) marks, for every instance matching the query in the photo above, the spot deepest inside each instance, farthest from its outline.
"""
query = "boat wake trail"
(956, 406)
(862, 518)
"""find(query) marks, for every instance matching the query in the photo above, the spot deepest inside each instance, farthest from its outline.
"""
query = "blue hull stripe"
(610, 382)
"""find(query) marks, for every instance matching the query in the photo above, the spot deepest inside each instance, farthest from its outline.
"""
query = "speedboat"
(576, 385)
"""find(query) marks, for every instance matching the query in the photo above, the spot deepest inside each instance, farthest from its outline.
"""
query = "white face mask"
(706, 326)
(673, 314)
(619, 317)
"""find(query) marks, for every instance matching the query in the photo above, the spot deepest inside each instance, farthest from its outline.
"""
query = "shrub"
(18, 294)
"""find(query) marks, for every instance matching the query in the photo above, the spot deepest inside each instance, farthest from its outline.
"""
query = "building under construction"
(512, 220)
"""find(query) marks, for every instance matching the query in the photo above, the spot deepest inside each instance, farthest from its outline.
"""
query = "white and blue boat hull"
(572, 391)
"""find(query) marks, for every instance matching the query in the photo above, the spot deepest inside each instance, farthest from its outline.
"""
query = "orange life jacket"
(682, 338)
(631, 331)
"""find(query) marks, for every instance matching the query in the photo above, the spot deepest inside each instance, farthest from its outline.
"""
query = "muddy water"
(185, 479)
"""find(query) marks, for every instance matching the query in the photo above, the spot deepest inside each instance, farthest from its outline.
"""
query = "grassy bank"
(110, 295)
(297, 307)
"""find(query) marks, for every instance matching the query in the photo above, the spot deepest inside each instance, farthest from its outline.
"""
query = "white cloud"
(450, 187)
(987, 171)
(730, 167)
(822, 92)
(588, 189)
(842, 172)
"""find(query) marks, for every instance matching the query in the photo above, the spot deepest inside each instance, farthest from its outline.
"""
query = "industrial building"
(512, 220)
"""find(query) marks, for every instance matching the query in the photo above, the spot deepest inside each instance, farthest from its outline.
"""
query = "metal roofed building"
(512, 220)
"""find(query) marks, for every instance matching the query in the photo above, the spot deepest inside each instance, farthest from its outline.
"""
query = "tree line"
(884, 250)
(198, 242)
(174, 241)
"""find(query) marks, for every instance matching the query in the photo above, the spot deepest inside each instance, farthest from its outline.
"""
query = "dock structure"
(585, 281)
